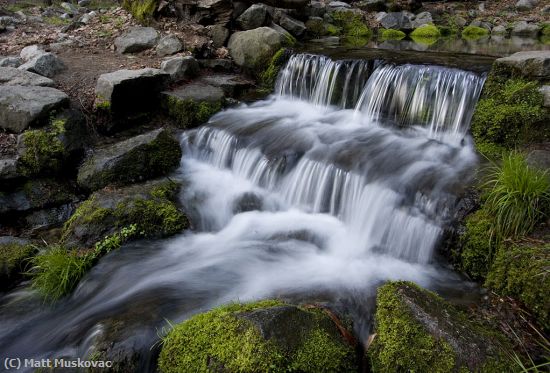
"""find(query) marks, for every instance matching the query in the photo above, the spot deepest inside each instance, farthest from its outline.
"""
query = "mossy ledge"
(257, 337)
(268, 77)
(189, 113)
(14, 259)
(417, 331)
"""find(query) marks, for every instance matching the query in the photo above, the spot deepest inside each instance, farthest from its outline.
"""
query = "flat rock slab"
(137, 39)
(130, 91)
(231, 84)
(198, 92)
(142, 157)
(23, 106)
(13, 76)
(532, 64)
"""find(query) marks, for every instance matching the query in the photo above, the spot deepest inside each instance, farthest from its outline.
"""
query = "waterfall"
(344, 178)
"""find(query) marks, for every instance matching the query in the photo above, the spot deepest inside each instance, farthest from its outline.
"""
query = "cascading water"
(343, 179)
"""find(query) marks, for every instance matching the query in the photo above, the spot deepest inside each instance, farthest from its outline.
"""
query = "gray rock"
(69, 8)
(8, 168)
(10, 62)
(524, 5)
(546, 9)
(315, 9)
(295, 27)
(46, 64)
(30, 52)
(499, 30)
(219, 35)
(545, 90)
(523, 28)
(534, 64)
(238, 8)
(86, 18)
(422, 19)
(49, 218)
(36, 194)
(539, 158)
(197, 92)
(461, 21)
(482, 24)
(217, 65)
(397, 20)
(338, 4)
(253, 17)
(13, 76)
(180, 68)
(130, 91)
(84, 3)
(373, 5)
(66, 16)
(137, 39)
(251, 49)
(232, 85)
(139, 158)
(168, 45)
(22, 106)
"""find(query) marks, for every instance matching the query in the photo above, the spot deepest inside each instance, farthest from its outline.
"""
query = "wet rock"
(525, 29)
(34, 195)
(416, 330)
(14, 260)
(535, 64)
(46, 64)
(13, 76)
(130, 91)
(253, 17)
(22, 106)
(168, 45)
(232, 85)
(137, 39)
(279, 337)
(499, 30)
(180, 68)
(151, 206)
(49, 218)
(217, 65)
(219, 35)
(295, 27)
(30, 52)
(193, 104)
(252, 49)
(248, 202)
(422, 19)
(139, 158)
(10, 62)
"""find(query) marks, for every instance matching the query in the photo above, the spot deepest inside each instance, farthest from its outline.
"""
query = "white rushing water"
(344, 179)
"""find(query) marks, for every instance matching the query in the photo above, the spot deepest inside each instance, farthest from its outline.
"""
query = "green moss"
(413, 330)
(424, 40)
(332, 30)
(523, 272)
(103, 105)
(391, 34)
(351, 24)
(190, 113)
(14, 258)
(478, 245)
(142, 10)
(56, 21)
(269, 76)
(426, 31)
(509, 114)
(43, 150)
(474, 32)
(222, 340)
(545, 29)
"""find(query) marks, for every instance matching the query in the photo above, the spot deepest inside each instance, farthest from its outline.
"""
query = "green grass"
(518, 196)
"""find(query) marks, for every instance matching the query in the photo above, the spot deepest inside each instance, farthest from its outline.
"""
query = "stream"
(344, 178)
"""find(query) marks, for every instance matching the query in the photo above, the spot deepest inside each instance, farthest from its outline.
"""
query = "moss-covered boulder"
(258, 337)
(143, 157)
(34, 195)
(417, 331)
(192, 104)
(15, 254)
(150, 206)
(523, 272)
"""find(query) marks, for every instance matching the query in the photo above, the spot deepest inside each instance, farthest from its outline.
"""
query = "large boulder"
(253, 49)
(139, 158)
(253, 17)
(168, 45)
(180, 68)
(130, 91)
(151, 206)
(219, 35)
(137, 39)
(397, 20)
(193, 103)
(295, 27)
(34, 195)
(259, 337)
(422, 19)
(534, 64)
(417, 331)
(31, 51)
(46, 64)
(525, 29)
(23, 106)
(13, 76)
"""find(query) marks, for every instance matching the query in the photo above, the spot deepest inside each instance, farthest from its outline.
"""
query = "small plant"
(116, 240)
(518, 196)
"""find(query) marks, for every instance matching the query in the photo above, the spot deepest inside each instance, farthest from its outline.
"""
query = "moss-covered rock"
(417, 331)
(150, 206)
(391, 34)
(257, 337)
(269, 77)
(34, 195)
(474, 32)
(139, 158)
(351, 24)
(15, 256)
(193, 104)
(523, 272)
(509, 114)
(426, 31)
